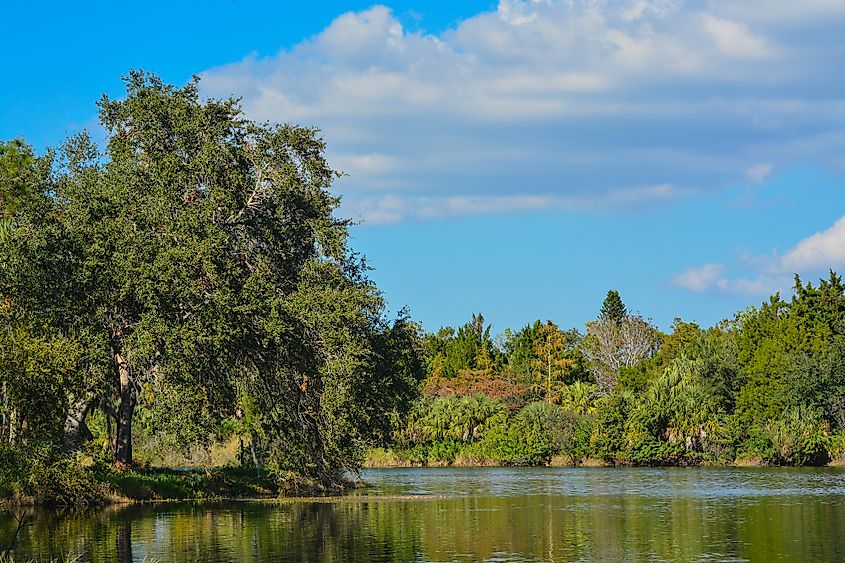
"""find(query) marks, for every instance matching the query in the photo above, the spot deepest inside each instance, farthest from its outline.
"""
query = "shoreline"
(162, 485)
(159, 491)
(156, 497)
(397, 462)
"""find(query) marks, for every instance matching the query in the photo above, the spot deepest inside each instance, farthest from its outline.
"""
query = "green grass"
(174, 484)
(68, 484)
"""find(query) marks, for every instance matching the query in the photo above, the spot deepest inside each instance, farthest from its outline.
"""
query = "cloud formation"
(571, 104)
(825, 249)
(821, 251)
(699, 278)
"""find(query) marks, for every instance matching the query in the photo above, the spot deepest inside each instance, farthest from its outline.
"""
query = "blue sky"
(517, 158)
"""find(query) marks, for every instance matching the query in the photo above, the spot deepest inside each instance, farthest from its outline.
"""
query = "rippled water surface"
(530, 514)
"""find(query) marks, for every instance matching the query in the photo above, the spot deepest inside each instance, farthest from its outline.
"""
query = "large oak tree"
(198, 253)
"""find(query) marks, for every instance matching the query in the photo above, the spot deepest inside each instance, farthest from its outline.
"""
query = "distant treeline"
(766, 387)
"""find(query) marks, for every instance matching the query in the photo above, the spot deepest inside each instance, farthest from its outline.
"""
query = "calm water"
(531, 514)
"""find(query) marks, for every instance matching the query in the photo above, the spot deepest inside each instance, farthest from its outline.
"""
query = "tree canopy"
(196, 254)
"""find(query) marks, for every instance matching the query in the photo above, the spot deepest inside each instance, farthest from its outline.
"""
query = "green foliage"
(679, 408)
(788, 352)
(164, 484)
(557, 361)
(607, 441)
(683, 336)
(637, 378)
(578, 397)
(460, 419)
(540, 348)
(510, 447)
(191, 264)
(612, 308)
(12, 467)
(520, 348)
(38, 373)
(448, 352)
(17, 165)
(798, 437)
(39, 474)
(648, 450)
(574, 436)
(768, 387)
(65, 482)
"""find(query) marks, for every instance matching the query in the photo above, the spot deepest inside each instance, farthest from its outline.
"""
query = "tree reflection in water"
(782, 523)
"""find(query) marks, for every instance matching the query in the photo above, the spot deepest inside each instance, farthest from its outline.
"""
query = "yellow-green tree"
(552, 362)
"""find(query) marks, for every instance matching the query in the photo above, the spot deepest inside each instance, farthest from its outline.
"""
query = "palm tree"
(686, 408)
(578, 396)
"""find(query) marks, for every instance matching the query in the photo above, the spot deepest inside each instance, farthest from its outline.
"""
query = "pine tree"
(613, 308)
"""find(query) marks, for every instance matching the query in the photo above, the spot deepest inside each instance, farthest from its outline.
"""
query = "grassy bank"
(469, 457)
(190, 484)
(390, 460)
(72, 485)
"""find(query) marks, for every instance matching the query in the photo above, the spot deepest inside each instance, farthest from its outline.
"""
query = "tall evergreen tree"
(613, 308)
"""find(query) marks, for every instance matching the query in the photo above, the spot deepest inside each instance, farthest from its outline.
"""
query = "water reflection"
(487, 514)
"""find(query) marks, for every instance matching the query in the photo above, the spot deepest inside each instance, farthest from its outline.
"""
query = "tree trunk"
(4, 417)
(13, 426)
(76, 431)
(128, 399)
(254, 449)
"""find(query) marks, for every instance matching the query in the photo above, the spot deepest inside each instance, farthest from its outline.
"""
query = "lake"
(489, 514)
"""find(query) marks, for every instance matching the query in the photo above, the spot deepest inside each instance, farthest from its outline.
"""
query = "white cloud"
(759, 172)
(734, 39)
(814, 254)
(825, 249)
(778, 12)
(393, 209)
(372, 163)
(761, 285)
(385, 210)
(558, 101)
(699, 278)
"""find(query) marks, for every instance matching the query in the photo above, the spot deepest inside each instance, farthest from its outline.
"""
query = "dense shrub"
(607, 441)
(45, 477)
(799, 438)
